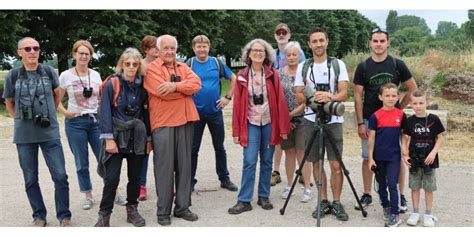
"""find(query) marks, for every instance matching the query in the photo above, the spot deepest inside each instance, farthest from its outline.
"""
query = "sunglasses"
(281, 33)
(379, 30)
(34, 48)
(128, 64)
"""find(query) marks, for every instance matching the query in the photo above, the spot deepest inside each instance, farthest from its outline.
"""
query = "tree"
(470, 23)
(411, 41)
(445, 28)
(11, 29)
(406, 21)
(391, 21)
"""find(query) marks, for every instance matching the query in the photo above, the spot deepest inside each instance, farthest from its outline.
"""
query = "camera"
(42, 120)
(257, 99)
(26, 112)
(175, 78)
(331, 108)
(417, 160)
(87, 92)
(376, 170)
(296, 121)
(131, 110)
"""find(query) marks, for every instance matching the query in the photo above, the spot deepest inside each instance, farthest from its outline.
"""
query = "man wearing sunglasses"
(31, 98)
(379, 69)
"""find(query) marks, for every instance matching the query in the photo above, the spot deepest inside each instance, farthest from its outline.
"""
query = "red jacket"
(278, 109)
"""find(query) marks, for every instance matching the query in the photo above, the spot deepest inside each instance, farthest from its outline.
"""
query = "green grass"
(3, 74)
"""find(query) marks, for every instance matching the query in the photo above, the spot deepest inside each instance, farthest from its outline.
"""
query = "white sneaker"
(285, 193)
(120, 200)
(429, 221)
(413, 219)
(306, 196)
(88, 203)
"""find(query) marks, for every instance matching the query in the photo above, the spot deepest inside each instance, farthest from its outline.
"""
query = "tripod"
(319, 128)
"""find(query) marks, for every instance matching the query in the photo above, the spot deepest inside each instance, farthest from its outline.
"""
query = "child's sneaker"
(386, 213)
(365, 200)
(403, 204)
(413, 219)
(393, 221)
(286, 192)
(306, 196)
(429, 221)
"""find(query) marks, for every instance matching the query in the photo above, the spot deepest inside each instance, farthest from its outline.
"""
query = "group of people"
(155, 103)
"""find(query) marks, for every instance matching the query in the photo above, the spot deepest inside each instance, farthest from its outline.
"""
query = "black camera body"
(417, 160)
(175, 78)
(257, 99)
(87, 92)
(376, 170)
(131, 110)
(296, 121)
(26, 112)
(42, 120)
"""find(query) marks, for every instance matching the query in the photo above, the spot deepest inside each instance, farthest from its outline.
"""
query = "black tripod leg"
(320, 174)
(346, 173)
(298, 172)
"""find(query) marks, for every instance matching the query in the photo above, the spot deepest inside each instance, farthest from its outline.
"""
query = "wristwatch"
(228, 97)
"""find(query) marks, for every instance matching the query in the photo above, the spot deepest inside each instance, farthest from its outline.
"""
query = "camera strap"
(80, 79)
(252, 74)
(313, 78)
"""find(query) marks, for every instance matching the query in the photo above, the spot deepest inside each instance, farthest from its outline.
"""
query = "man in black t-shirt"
(370, 74)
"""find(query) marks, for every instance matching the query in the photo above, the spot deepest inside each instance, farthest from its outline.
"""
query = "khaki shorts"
(333, 129)
(295, 139)
(422, 181)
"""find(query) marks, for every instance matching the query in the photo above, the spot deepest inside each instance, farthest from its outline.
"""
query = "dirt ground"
(453, 205)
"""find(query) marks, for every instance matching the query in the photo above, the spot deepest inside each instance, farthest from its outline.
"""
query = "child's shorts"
(422, 181)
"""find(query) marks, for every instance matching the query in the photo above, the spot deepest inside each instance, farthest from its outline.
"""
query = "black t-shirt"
(423, 132)
(377, 74)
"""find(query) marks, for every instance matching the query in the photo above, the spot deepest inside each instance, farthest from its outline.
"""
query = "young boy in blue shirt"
(385, 126)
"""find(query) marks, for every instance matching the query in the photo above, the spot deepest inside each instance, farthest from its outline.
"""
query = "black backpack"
(331, 62)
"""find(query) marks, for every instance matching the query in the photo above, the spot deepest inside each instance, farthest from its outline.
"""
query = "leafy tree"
(391, 21)
(411, 41)
(445, 28)
(411, 21)
(470, 23)
(11, 29)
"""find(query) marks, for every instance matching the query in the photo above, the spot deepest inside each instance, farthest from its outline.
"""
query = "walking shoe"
(276, 178)
(65, 222)
(88, 203)
(134, 217)
(265, 203)
(286, 192)
(143, 193)
(403, 204)
(240, 207)
(429, 220)
(393, 221)
(229, 186)
(365, 200)
(386, 213)
(307, 195)
(164, 220)
(38, 223)
(338, 211)
(413, 219)
(104, 219)
(120, 200)
(187, 215)
(325, 209)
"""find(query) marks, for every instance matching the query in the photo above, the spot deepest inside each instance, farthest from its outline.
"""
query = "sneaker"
(120, 200)
(325, 209)
(265, 203)
(286, 192)
(229, 186)
(38, 223)
(386, 213)
(365, 200)
(240, 207)
(338, 211)
(403, 204)
(143, 193)
(65, 222)
(88, 203)
(307, 195)
(429, 220)
(276, 178)
(393, 221)
(413, 219)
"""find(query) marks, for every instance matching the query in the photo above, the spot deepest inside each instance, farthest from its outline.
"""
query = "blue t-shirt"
(388, 125)
(206, 98)
(280, 60)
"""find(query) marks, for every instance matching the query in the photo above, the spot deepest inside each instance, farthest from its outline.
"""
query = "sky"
(432, 17)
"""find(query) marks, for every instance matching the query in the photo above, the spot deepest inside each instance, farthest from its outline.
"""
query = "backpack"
(394, 64)
(331, 61)
(16, 73)
(189, 62)
(115, 80)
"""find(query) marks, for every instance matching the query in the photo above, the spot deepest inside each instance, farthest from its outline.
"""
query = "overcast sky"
(432, 17)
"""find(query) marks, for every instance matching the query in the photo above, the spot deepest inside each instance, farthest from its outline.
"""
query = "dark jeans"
(54, 157)
(388, 184)
(144, 171)
(215, 122)
(112, 178)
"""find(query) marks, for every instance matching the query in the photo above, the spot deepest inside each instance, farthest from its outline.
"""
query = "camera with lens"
(131, 110)
(376, 170)
(175, 78)
(331, 108)
(42, 120)
(87, 92)
(417, 160)
(257, 99)
(296, 121)
(26, 112)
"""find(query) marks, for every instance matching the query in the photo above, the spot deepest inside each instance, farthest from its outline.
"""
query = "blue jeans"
(80, 132)
(144, 171)
(259, 139)
(388, 180)
(215, 122)
(54, 157)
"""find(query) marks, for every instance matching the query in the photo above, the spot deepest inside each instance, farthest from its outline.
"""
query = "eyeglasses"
(281, 33)
(83, 54)
(379, 30)
(34, 48)
(128, 64)
(257, 51)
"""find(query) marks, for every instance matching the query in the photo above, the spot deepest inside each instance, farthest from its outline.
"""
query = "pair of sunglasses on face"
(34, 48)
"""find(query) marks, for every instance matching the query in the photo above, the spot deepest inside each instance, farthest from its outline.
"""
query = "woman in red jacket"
(260, 119)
